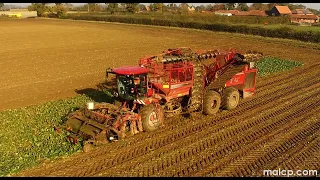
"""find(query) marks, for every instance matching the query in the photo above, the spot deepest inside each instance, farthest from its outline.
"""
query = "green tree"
(230, 6)
(184, 8)
(131, 7)
(314, 11)
(258, 6)
(301, 6)
(283, 4)
(209, 7)
(271, 5)
(69, 6)
(1, 5)
(141, 7)
(157, 7)
(88, 6)
(60, 9)
(153, 7)
(296, 6)
(218, 7)
(173, 8)
(243, 7)
(200, 8)
(112, 7)
(164, 8)
(81, 8)
(94, 7)
(41, 8)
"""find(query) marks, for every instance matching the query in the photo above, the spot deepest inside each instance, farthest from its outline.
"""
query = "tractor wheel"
(230, 98)
(211, 102)
(151, 119)
(87, 147)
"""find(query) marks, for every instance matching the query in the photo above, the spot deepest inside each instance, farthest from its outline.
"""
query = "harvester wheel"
(151, 119)
(230, 98)
(87, 147)
(211, 102)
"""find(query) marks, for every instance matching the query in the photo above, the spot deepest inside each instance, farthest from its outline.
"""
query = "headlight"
(90, 105)
(252, 65)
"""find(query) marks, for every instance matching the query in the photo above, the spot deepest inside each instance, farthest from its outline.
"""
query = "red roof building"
(252, 13)
(233, 12)
(302, 12)
(302, 18)
(279, 11)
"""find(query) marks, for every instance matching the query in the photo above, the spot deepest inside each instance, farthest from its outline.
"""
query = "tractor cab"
(132, 82)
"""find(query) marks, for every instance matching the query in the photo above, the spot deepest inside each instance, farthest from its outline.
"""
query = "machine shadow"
(103, 92)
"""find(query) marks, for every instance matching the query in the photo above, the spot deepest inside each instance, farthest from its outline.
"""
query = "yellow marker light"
(165, 86)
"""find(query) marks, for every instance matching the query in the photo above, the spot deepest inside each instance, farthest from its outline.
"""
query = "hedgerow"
(283, 32)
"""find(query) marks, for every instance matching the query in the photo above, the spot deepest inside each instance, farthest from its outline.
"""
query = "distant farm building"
(243, 13)
(301, 18)
(279, 11)
(144, 9)
(302, 12)
(252, 13)
(207, 12)
(147, 8)
(223, 14)
(191, 9)
(226, 12)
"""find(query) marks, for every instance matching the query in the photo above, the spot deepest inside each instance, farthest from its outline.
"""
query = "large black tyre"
(230, 98)
(211, 102)
(151, 120)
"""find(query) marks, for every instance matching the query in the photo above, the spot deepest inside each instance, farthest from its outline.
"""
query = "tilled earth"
(277, 128)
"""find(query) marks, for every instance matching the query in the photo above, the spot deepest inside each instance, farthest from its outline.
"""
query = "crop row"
(283, 32)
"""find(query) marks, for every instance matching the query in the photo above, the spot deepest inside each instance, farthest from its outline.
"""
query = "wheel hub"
(153, 119)
(233, 100)
(214, 104)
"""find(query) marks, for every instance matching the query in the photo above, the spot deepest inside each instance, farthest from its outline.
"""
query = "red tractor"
(176, 81)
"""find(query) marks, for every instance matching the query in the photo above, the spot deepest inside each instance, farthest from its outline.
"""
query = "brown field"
(279, 127)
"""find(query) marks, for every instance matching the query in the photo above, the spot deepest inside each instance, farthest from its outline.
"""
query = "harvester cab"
(132, 82)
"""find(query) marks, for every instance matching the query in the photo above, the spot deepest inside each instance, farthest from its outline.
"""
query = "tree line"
(115, 8)
(42, 9)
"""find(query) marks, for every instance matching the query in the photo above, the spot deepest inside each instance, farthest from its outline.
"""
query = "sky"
(308, 5)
